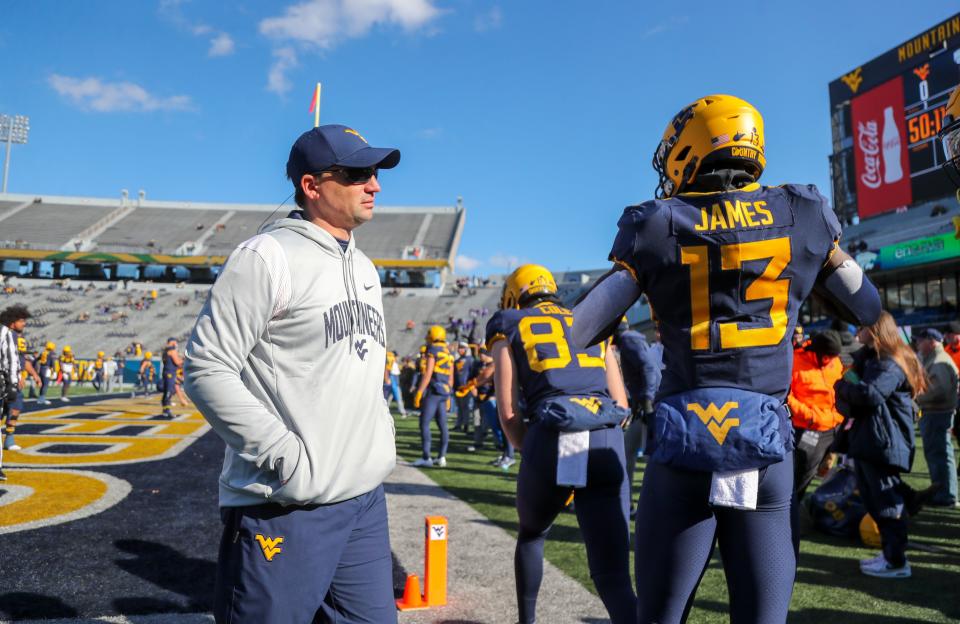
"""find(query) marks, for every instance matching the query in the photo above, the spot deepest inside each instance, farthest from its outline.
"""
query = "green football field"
(829, 588)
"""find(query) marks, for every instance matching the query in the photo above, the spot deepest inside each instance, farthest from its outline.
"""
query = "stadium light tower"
(13, 129)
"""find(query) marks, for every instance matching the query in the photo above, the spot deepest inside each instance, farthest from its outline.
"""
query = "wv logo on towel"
(592, 404)
(269, 545)
(715, 418)
(359, 346)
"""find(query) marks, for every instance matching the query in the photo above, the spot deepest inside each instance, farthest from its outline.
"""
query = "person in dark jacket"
(880, 436)
(641, 374)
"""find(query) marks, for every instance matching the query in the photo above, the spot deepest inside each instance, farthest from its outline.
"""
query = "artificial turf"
(829, 587)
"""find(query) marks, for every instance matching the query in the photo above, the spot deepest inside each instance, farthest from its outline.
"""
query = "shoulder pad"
(812, 200)
(636, 215)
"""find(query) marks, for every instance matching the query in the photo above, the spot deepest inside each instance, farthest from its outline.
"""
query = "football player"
(98, 372)
(433, 395)
(464, 369)
(573, 401)
(949, 137)
(67, 363)
(145, 374)
(47, 367)
(168, 380)
(725, 264)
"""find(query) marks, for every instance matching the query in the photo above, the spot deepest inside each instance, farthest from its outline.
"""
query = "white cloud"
(111, 97)
(430, 133)
(505, 261)
(284, 59)
(221, 45)
(665, 25)
(465, 264)
(490, 20)
(322, 24)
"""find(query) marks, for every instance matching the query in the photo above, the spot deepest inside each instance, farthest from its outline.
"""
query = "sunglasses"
(353, 175)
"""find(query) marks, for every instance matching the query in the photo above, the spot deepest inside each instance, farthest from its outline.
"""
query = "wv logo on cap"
(357, 134)
(269, 545)
(715, 418)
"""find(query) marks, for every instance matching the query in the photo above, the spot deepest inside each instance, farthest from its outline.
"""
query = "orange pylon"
(411, 595)
(435, 564)
(434, 569)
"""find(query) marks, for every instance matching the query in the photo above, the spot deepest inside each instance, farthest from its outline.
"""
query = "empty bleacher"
(156, 230)
(51, 225)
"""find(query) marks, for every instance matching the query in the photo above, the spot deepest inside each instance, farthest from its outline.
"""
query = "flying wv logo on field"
(270, 546)
(715, 418)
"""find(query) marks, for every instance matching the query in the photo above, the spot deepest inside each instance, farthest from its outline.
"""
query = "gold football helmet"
(436, 334)
(949, 137)
(51, 346)
(527, 280)
(147, 355)
(711, 129)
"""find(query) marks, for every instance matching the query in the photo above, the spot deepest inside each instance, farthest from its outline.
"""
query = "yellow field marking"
(159, 438)
(36, 498)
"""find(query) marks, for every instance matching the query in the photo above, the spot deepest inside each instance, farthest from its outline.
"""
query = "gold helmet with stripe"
(51, 346)
(714, 129)
(436, 334)
(949, 137)
(526, 281)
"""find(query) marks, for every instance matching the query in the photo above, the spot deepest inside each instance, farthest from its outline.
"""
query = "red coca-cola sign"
(880, 149)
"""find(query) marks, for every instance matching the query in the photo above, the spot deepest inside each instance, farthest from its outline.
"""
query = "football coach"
(286, 363)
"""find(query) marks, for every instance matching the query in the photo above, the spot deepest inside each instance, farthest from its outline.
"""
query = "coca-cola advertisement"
(880, 149)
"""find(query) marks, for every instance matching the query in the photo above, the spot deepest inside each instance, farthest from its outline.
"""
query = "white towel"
(573, 449)
(737, 488)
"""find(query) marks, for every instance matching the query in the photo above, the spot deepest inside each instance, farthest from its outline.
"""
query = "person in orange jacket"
(812, 401)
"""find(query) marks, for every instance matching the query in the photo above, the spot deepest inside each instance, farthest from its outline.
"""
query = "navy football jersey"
(442, 369)
(547, 363)
(725, 274)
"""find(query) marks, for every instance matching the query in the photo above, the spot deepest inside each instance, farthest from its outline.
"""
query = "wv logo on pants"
(269, 545)
(715, 418)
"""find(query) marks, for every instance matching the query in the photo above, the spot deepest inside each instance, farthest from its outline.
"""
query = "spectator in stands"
(813, 404)
(879, 394)
(309, 438)
(938, 405)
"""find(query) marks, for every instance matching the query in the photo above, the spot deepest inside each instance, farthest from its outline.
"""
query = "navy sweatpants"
(601, 508)
(677, 529)
(320, 563)
(433, 407)
(880, 490)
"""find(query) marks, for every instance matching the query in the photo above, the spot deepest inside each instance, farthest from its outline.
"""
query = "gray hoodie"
(286, 363)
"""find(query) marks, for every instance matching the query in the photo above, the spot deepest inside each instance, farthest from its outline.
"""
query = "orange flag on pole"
(315, 106)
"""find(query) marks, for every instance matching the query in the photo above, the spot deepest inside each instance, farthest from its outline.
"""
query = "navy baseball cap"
(334, 145)
(931, 333)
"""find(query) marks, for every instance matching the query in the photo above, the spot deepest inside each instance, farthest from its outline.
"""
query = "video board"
(885, 118)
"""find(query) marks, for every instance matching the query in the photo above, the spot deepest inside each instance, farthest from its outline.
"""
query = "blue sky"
(542, 115)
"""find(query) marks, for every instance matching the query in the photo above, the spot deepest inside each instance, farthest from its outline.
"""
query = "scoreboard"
(885, 116)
